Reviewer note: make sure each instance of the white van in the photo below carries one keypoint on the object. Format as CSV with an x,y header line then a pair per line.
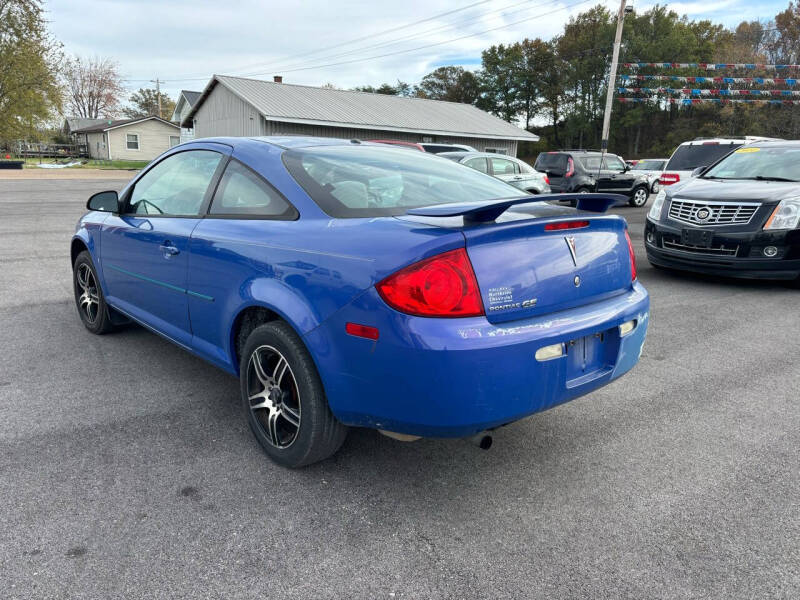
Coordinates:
x,y
701,152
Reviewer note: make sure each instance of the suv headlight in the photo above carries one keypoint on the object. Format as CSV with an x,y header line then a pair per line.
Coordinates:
x,y
785,216
658,204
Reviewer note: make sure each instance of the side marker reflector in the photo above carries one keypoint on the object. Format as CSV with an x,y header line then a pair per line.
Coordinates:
x,y
363,331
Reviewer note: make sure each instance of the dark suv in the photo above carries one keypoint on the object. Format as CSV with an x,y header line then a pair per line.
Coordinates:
x,y
740,217
580,171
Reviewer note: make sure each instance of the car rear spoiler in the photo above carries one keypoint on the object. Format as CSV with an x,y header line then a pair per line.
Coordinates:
x,y
488,210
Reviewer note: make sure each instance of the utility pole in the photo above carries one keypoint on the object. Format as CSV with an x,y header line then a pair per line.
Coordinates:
x,y
158,83
612,77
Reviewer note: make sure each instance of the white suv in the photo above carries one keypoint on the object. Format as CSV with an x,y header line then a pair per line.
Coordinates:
x,y
701,152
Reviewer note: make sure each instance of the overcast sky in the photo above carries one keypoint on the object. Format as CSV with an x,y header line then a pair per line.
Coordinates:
x,y
186,41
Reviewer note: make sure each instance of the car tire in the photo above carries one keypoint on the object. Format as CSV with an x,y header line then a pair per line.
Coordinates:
x,y
639,196
283,398
655,187
89,299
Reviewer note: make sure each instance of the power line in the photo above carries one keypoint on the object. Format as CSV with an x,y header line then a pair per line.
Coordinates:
x,y
495,13
378,34
463,37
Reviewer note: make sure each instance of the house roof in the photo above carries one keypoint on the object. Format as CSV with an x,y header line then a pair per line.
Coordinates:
x,y
75,123
105,125
186,97
191,97
291,103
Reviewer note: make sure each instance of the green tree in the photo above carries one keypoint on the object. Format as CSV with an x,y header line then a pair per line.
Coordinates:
x,y
145,103
401,88
29,63
451,83
787,24
499,81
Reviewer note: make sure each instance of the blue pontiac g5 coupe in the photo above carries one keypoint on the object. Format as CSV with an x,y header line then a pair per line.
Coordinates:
x,y
355,284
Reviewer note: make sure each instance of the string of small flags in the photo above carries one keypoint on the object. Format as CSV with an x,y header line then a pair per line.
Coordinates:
x,y
747,80
691,101
708,66
701,92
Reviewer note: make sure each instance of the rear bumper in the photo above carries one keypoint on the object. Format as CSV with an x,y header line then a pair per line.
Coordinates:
x,y
456,377
749,261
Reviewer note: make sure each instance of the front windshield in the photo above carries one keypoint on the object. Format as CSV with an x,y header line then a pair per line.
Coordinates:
x,y
752,162
368,181
649,165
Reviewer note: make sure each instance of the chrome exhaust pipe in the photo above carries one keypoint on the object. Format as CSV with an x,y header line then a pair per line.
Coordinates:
x,y
482,440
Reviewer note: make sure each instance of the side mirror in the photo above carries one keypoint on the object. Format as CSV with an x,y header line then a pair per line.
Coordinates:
x,y
104,201
626,168
699,171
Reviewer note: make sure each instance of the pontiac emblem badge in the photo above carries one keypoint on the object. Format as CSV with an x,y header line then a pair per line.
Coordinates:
x,y
571,244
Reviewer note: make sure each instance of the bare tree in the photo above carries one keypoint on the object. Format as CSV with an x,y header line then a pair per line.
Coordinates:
x,y
93,87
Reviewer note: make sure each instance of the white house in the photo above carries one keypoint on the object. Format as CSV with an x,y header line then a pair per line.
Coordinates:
x,y
130,139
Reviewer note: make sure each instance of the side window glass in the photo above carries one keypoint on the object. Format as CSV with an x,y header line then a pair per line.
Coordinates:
x,y
612,163
176,186
242,192
501,166
479,164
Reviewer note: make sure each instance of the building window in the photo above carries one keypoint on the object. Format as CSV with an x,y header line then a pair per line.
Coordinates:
x,y
174,140
497,150
132,141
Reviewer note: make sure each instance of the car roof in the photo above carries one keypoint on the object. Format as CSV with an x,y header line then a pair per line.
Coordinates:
x,y
470,153
748,139
583,152
778,143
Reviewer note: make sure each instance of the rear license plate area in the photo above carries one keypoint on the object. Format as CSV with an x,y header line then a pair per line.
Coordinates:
x,y
700,238
590,357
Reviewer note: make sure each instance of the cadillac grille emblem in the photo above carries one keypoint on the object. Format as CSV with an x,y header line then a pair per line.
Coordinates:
x,y
702,214
571,244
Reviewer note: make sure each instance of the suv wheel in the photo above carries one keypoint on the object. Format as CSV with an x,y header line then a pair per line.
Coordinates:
x,y
639,196
283,398
655,187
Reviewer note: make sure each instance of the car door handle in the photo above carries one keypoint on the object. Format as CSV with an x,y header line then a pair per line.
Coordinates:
x,y
167,249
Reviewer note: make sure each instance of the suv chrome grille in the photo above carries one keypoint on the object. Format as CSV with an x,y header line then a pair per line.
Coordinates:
x,y
698,212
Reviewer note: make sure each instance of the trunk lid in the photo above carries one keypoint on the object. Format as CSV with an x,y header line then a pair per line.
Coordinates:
x,y
525,270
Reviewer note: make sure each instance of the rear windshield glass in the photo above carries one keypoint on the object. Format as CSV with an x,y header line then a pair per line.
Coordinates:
x,y
367,181
435,149
649,165
549,160
756,163
691,156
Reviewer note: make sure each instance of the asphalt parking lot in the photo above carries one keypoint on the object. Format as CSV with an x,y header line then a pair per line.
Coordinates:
x,y
127,468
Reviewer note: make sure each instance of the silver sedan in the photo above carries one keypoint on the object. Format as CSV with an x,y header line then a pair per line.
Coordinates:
x,y
511,170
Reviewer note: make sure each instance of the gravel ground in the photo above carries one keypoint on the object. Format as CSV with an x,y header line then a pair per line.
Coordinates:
x,y
127,469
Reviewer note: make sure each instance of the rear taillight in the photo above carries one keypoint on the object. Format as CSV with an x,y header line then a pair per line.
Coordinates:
x,y
440,286
570,168
632,255
669,178
566,225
